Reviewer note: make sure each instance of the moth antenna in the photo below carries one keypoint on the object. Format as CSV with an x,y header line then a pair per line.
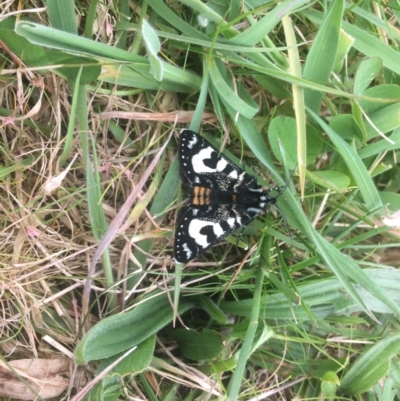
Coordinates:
x,y
289,233
282,189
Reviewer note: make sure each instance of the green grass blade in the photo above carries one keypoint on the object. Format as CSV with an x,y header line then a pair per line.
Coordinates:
x,y
358,170
321,58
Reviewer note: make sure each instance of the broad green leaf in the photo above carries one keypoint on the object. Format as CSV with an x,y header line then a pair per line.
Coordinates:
x,y
323,369
198,346
282,132
346,126
334,180
371,366
137,361
30,54
391,199
118,333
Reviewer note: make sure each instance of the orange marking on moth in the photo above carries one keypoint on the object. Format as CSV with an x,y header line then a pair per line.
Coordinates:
x,y
201,196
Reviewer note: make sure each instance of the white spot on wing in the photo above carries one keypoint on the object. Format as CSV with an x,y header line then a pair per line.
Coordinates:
x,y
221,165
240,179
259,189
204,154
254,210
194,231
187,250
234,174
231,222
192,142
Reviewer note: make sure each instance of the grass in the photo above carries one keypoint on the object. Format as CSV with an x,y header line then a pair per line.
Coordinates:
x,y
92,100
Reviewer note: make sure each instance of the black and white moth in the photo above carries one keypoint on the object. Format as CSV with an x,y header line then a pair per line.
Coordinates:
x,y
223,197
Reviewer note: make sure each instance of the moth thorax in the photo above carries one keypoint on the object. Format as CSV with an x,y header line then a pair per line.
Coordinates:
x,y
253,198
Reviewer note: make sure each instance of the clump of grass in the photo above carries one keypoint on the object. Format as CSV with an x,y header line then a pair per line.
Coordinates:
x,y
91,103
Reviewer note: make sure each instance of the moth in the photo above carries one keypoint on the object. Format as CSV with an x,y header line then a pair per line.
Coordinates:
x,y
223,197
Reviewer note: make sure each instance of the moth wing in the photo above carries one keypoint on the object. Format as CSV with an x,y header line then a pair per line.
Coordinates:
x,y
202,164
199,227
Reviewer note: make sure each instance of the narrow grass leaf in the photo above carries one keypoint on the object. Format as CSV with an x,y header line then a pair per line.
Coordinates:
x,y
358,170
344,46
366,73
139,76
321,57
69,137
211,13
247,345
259,30
120,217
167,13
234,9
298,100
15,166
225,91
371,46
62,15
385,94
364,41
152,189
162,201
343,267
324,297
153,47
385,120
55,39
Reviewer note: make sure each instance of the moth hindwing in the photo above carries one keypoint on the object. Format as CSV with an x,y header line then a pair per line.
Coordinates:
x,y
223,197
